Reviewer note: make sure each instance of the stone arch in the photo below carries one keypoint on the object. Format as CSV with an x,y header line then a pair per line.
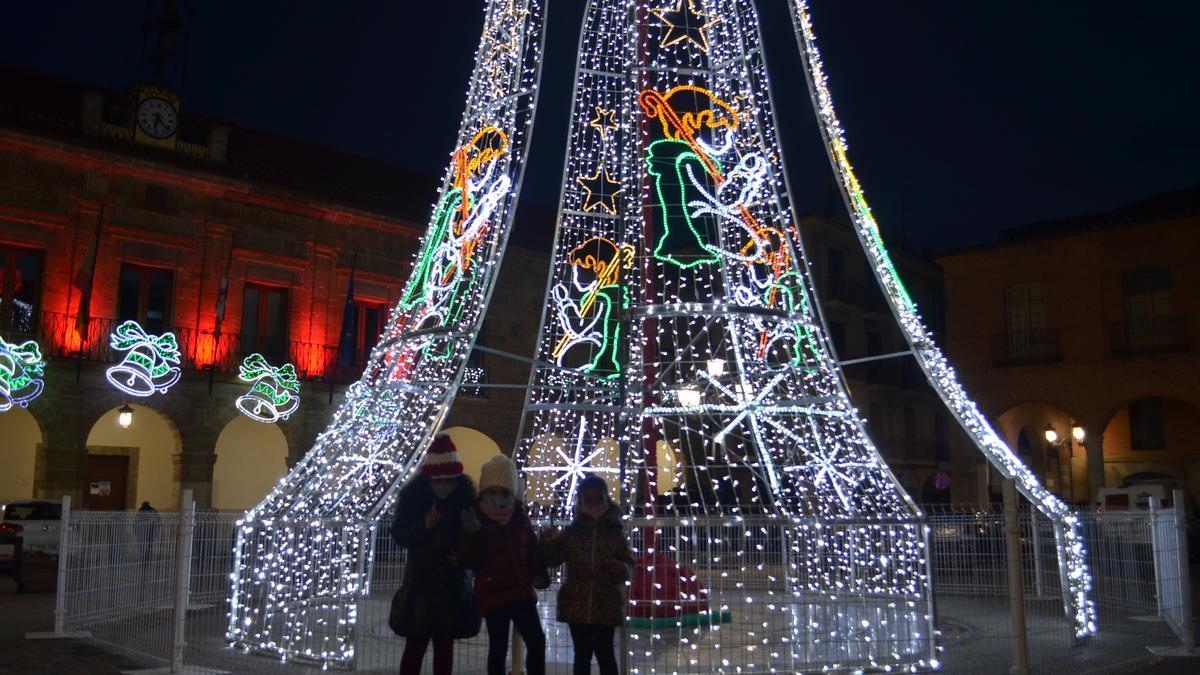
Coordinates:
x,y
1178,420
474,448
251,457
152,443
1061,465
23,438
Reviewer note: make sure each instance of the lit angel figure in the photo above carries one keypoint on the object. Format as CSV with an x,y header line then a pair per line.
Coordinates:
x,y
150,363
446,271
274,392
21,370
695,194
589,310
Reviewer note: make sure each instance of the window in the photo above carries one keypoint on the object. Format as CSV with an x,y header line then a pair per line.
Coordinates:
x,y
1146,425
1025,309
265,321
837,335
364,326
1147,295
20,289
874,348
875,421
1028,339
910,432
144,296
835,266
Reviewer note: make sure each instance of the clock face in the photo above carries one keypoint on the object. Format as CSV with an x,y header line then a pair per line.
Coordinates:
x,y
157,118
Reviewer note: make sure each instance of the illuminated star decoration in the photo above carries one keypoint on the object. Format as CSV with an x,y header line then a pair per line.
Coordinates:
x,y
574,467
685,22
601,191
604,121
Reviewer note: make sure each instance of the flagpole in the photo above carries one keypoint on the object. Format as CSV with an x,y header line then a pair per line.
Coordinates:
x,y
222,301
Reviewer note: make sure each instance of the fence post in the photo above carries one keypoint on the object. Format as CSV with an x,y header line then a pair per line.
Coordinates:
x,y
183,577
1016,584
1037,553
1185,583
60,594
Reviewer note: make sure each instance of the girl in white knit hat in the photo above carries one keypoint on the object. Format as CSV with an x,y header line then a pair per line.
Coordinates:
x,y
508,566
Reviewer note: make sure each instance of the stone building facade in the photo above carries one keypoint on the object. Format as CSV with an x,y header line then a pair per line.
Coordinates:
x,y
923,445
283,222
1087,324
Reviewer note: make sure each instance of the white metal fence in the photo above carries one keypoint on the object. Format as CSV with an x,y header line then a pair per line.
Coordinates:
x,y
120,582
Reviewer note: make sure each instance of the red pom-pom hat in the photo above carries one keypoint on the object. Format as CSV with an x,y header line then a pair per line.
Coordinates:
x,y
441,459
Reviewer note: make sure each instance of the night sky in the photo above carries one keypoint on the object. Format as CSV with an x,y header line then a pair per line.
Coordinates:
x,y
964,117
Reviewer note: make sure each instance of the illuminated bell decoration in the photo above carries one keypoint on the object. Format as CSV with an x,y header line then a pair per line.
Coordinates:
x,y
148,364
21,370
274,392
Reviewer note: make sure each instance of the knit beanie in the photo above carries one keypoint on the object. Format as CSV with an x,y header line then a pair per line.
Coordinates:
x,y
441,459
499,471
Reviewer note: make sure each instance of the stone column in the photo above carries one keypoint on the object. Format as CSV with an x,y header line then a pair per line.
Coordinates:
x,y
1094,443
194,471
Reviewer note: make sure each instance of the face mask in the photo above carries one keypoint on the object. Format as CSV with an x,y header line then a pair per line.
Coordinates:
x,y
442,490
500,501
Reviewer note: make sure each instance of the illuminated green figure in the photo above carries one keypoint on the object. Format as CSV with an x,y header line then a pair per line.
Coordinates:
x,y
446,273
594,321
696,197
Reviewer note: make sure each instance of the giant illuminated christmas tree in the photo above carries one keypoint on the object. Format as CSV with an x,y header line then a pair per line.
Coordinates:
x,y
683,356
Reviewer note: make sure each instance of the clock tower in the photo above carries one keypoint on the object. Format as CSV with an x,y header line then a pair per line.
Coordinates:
x,y
156,117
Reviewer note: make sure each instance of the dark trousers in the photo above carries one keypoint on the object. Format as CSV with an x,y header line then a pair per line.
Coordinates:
x,y
593,640
414,655
524,616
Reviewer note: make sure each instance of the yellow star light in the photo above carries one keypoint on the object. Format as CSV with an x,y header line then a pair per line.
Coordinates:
x,y
601,191
604,121
685,22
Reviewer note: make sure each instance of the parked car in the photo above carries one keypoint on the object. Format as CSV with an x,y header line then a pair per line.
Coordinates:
x,y
36,522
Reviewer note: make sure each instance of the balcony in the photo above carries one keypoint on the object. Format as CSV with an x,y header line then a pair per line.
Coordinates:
x,y
1024,348
1149,336
60,336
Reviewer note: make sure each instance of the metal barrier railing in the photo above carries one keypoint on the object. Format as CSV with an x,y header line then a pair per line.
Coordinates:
x,y
120,582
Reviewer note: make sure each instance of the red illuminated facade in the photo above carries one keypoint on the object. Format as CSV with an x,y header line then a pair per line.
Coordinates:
x,y
99,225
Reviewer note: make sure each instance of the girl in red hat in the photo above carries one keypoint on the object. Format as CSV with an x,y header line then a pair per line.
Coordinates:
x,y
435,602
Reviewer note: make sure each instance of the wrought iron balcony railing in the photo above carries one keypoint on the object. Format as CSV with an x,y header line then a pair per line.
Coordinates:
x,y
1023,348
1149,336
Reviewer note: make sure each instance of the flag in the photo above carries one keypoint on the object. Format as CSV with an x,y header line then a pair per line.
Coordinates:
x,y
223,289
86,278
348,338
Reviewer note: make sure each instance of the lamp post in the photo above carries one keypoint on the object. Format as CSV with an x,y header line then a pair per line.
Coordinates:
x,y
1057,442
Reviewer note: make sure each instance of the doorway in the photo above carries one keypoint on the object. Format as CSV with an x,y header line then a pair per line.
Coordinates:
x,y
107,482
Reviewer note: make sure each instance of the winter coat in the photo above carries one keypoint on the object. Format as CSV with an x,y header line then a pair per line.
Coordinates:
x,y
591,592
435,598
505,559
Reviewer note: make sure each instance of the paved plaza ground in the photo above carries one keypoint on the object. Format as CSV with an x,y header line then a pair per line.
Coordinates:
x,y
965,625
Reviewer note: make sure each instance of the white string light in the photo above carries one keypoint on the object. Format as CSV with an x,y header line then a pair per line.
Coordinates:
x,y
302,558
1080,609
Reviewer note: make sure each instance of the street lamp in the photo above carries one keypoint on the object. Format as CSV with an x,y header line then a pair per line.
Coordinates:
x,y
1057,442
1051,435
125,416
